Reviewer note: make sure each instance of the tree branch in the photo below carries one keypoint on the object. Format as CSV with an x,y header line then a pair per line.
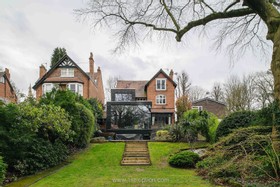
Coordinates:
x,y
231,5
170,15
212,17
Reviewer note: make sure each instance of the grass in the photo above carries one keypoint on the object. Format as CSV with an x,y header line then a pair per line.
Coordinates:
x,y
99,165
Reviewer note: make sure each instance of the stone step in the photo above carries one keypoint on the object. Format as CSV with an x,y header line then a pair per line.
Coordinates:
x,y
135,161
136,142
135,154
135,164
136,158
136,149
135,145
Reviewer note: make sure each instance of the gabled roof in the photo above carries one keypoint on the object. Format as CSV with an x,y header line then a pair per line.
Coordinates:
x,y
208,99
139,86
160,71
64,61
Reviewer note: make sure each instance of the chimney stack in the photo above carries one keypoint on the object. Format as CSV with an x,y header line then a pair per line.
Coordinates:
x,y
171,74
43,71
7,72
91,65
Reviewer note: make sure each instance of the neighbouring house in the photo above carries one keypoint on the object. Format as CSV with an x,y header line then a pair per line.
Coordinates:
x,y
7,92
210,105
142,105
66,74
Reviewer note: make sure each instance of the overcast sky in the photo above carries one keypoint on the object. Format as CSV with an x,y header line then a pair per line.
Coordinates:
x,y
30,30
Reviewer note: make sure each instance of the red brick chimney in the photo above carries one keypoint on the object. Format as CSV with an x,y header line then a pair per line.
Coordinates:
x,y
91,65
171,74
7,72
43,71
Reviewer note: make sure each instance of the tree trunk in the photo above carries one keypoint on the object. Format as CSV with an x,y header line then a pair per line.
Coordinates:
x,y
271,16
275,68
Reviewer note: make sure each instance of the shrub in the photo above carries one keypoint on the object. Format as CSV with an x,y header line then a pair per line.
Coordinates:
x,y
234,121
244,157
194,122
184,159
40,154
96,107
265,115
31,137
3,167
81,113
163,135
176,132
48,121
82,125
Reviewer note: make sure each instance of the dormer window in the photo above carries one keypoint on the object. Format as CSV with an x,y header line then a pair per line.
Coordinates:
x,y
161,84
67,72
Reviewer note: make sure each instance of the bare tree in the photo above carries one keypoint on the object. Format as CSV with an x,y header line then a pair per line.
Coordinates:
x,y
111,83
263,82
242,20
183,84
217,92
196,93
239,94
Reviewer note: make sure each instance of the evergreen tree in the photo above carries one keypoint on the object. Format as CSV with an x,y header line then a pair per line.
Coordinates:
x,y
58,53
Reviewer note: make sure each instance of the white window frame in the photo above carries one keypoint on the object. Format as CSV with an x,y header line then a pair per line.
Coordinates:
x,y
2,80
47,87
79,88
67,72
160,99
199,108
162,86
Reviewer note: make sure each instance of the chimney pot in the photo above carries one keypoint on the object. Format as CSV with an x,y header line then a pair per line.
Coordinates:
x,y
43,71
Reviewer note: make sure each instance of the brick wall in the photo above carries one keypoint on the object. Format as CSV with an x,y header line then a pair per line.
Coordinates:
x,y
2,90
7,93
169,94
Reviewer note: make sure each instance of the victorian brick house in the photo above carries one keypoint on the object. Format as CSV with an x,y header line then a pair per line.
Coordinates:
x,y
152,100
210,105
66,74
7,93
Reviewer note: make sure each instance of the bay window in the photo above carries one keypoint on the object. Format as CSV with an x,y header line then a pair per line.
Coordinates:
x,y
76,88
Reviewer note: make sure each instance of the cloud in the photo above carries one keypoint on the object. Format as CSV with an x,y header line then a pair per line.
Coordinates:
x,y
30,30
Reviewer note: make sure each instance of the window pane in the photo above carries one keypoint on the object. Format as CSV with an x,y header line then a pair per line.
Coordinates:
x,y
80,89
63,72
163,84
72,87
158,84
70,72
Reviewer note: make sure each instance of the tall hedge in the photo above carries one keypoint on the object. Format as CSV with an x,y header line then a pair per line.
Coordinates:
x,y
82,125
31,137
80,111
234,121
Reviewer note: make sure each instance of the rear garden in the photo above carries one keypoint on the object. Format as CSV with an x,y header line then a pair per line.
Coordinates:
x,y
99,165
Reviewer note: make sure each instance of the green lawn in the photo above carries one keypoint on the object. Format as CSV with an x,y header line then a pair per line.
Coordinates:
x,y
100,166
